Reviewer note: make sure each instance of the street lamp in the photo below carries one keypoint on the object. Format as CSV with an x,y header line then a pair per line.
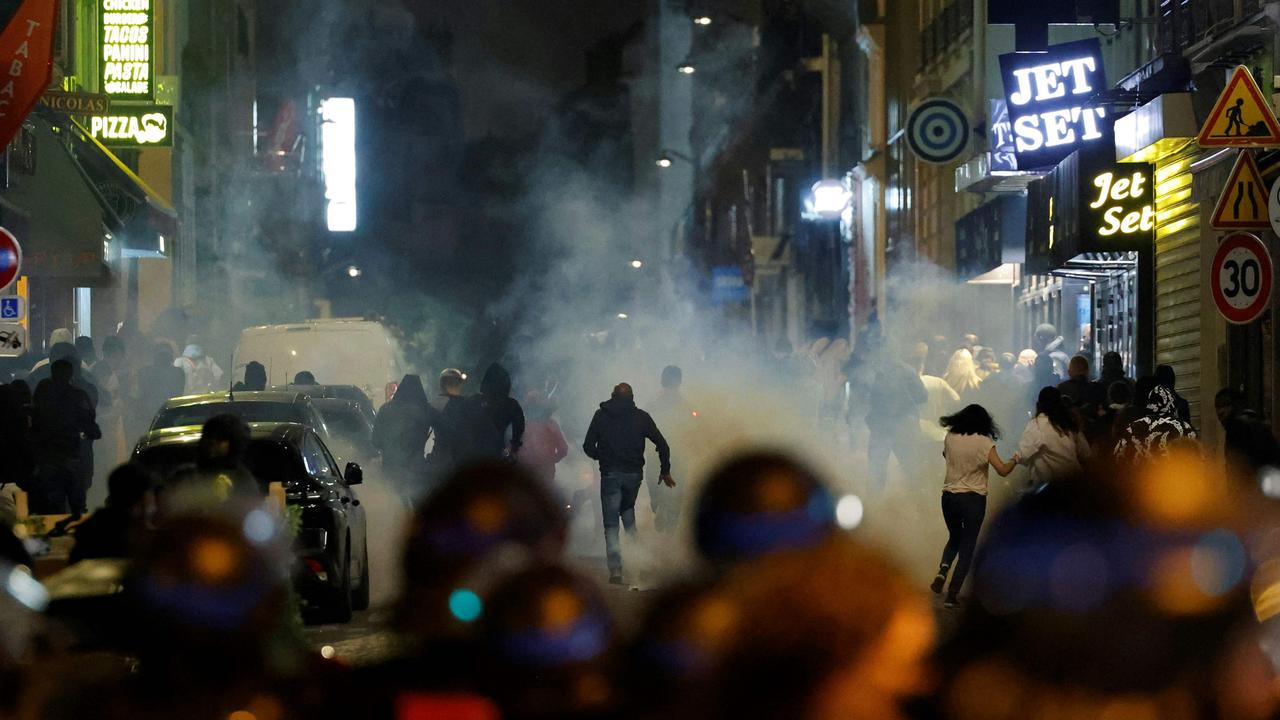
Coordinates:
x,y
665,159
686,68
828,199
637,264
703,20
354,272
622,316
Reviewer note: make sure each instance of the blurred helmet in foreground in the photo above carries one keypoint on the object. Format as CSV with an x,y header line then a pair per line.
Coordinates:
x,y
477,511
672,660
833,631
1126,594
548,638
760,503
210,593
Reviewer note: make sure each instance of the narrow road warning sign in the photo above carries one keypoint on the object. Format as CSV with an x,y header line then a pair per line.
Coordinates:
x,y
1243,202
1242,116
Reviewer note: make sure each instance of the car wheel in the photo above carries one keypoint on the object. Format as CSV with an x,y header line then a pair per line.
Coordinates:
x,y
340,610
360,597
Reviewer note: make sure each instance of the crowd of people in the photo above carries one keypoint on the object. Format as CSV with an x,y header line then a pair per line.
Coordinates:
x,y
70,417
1094,597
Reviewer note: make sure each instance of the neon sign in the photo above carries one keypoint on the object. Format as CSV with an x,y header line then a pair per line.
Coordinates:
x,y
136,126
128,61
1121,206
1048,95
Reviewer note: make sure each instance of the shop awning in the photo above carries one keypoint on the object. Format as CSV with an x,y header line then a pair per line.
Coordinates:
x,y
64,219
140,219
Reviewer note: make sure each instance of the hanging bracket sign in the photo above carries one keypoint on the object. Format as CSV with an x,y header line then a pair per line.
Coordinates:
x,y
1242,278
1242,204
1242,116
938,131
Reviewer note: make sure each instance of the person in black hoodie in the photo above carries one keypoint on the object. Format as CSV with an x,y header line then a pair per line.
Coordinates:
x,y
64,418
1250,444
483,420
615,439
401,432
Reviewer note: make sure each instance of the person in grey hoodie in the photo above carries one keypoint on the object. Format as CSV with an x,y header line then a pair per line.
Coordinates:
x,y
616,440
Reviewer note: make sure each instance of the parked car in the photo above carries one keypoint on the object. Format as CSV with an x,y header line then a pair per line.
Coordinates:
x,y
252,407
350,429
332,570
335,392
339,351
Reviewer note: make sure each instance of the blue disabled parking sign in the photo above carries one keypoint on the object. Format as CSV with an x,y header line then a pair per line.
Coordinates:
x,y
11,308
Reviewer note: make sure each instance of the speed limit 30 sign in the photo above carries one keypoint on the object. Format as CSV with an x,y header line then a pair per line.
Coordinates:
x,y
1242,275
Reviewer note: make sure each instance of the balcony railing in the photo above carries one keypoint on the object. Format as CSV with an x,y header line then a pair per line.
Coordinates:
x,y
947,28
1183,23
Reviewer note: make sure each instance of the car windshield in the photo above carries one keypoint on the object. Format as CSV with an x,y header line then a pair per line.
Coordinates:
x,y
345,421
248,411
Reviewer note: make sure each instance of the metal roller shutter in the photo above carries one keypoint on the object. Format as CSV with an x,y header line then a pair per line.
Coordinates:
x,y
1177,286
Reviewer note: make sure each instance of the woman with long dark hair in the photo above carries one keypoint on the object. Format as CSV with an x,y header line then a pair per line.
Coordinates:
x,y
970,450
1052,444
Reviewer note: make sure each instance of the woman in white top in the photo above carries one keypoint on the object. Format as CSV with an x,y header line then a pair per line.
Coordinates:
x,y
970,449
1052,444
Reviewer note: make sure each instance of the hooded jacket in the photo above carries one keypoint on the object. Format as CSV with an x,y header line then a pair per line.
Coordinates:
x,y
404,424
1151,435
483,419
617,434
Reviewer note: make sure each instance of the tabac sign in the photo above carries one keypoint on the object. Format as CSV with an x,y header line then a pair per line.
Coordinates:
x,y
135,126
128,64
1048,95
1117,209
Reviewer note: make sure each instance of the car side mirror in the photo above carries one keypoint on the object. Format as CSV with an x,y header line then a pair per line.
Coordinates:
x,y
353,474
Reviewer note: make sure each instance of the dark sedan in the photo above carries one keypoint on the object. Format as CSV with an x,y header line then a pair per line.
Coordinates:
x,y
332,572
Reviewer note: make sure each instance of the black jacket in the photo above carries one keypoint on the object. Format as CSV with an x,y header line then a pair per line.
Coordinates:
x,y
64,415
616,438
482,420
1249,440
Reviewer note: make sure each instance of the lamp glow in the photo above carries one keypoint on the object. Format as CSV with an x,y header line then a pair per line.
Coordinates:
x,y
827,200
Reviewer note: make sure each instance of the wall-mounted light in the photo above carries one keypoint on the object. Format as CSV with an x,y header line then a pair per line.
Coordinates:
x,y
686,68
703,20
827,200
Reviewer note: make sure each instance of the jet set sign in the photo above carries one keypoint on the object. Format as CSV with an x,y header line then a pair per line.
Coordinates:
x,y
128,62
1118,210
1048,95
141,126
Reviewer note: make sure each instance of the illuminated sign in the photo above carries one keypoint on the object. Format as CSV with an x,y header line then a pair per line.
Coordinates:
x,y
338,160
1047,95
127,54
140,126
1118,207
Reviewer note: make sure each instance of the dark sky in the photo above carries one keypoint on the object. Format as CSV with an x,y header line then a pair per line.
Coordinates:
x,y
514,59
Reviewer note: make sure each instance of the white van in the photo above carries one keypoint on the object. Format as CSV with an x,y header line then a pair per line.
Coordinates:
x,y
338,352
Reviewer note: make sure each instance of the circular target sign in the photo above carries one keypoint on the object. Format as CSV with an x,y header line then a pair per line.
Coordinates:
x,y
938,131
1241,275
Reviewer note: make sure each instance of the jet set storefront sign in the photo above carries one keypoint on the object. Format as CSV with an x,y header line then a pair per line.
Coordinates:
x,y
1048,94
1118,207
141,126
128,47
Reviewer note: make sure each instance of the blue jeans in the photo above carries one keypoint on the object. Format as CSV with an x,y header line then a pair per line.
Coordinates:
x,y
618,502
